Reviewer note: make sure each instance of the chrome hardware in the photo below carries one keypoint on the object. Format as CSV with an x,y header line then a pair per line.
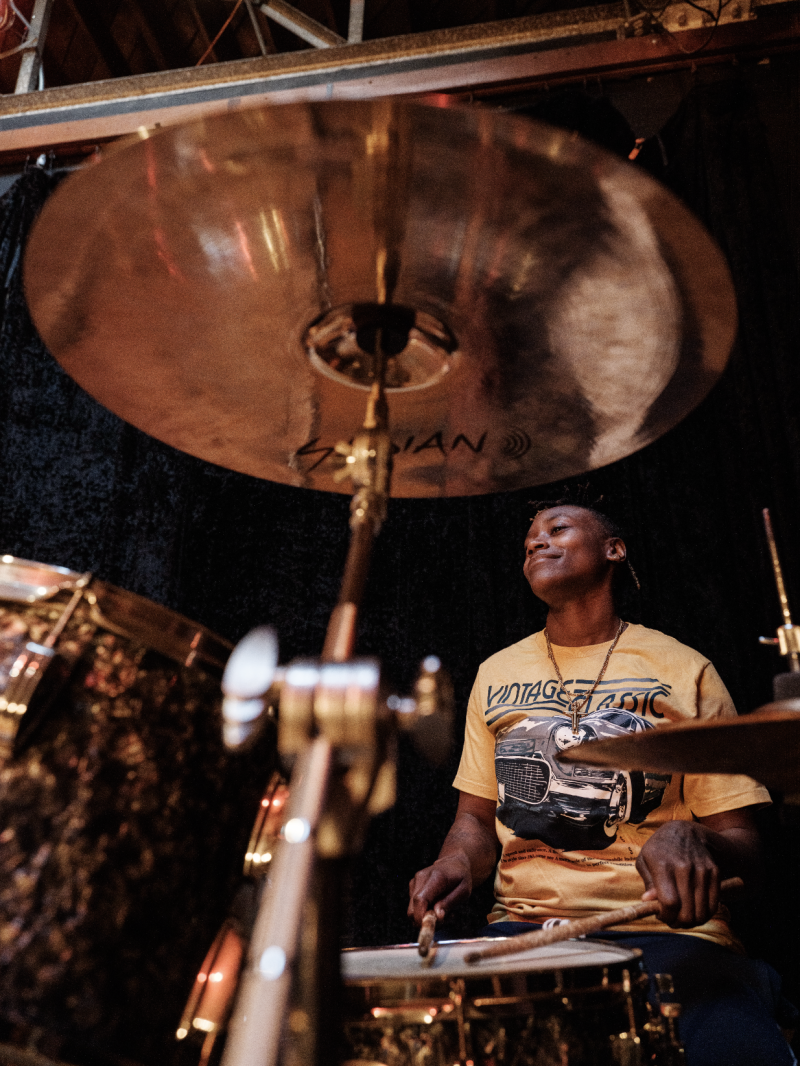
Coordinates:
x,y
24,581
788,639
32,662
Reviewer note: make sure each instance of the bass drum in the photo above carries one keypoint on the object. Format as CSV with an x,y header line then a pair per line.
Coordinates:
x,y
122,818
576,1003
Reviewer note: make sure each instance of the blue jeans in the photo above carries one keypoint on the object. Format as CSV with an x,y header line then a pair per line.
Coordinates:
x,y
731,1006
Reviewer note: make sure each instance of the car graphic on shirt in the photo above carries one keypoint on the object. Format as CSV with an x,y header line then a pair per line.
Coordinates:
x,y
571,808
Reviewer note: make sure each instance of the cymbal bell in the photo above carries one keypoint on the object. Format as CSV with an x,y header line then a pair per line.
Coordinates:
x,y
764,745
547,308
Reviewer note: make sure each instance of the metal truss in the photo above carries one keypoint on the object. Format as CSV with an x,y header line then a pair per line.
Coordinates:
x,y
600,41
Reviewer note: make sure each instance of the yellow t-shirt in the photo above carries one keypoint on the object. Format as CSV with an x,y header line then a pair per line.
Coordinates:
x,y
571,834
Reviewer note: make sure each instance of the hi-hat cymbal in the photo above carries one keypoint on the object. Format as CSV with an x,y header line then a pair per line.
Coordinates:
x,y
214,284
765,745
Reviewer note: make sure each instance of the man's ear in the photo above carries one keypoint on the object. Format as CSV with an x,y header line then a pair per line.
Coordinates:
x,y
616,550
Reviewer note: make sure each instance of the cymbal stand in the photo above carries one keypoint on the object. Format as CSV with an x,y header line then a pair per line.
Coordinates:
x,y
368,463
333,718
334,722
787,685
368,458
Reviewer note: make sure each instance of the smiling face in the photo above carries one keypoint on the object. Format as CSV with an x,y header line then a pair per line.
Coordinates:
x,y
569,553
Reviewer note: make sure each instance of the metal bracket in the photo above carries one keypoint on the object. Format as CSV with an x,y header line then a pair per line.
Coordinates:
x,y
682,16
27,672
640,25
788,640
302,25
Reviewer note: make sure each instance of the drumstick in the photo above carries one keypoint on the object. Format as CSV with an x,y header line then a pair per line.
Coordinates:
x,y
426,933
580,927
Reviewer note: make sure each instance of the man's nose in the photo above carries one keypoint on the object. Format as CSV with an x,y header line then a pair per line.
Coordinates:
x,y
534,543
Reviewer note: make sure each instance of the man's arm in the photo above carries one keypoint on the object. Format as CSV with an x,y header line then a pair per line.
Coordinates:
x,y
683,863
467,857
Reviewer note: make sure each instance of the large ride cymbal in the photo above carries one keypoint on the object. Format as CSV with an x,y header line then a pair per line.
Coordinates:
x,y
214,284
765,745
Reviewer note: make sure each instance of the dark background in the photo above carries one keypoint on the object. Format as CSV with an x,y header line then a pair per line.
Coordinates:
x,y
79,488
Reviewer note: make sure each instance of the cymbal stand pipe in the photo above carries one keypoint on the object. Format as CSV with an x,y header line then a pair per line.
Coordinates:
x,y
368,462
368,459
257,1025
331,714
788,638
334,784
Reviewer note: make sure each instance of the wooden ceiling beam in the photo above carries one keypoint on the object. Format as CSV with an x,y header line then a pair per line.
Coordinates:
x,y
104,41
152,39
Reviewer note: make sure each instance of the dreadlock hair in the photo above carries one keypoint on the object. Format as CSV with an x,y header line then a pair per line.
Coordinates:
x,y
610,527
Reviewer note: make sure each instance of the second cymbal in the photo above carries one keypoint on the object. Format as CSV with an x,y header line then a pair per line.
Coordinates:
x,y
764,745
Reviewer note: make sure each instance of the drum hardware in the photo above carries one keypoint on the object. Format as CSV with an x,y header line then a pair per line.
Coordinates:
x,y
343,776
579,927
457,991
212,996
25,581
368,465
335,725
582,1002
28,670
267,827
626,1045
427,716
662,1026
787,685
247,685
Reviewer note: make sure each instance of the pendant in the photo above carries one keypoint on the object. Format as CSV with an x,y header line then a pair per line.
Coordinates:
x,y
574,711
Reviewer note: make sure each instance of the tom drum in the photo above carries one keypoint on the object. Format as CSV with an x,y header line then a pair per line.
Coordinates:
x,y
122,819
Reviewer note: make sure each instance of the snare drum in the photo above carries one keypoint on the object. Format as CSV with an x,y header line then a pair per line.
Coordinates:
x,y
576,1003
122,819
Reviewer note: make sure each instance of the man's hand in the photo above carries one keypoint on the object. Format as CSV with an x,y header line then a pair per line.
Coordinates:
x,y
438,887
679,871
683,862
467,857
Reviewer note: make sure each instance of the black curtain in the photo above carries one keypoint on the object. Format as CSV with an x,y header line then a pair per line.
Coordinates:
x,y
82,489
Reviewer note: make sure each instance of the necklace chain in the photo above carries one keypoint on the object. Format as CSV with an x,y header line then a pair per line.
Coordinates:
x,y
577,702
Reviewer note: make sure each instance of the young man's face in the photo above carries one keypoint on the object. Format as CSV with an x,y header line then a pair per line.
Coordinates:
x,y
568,551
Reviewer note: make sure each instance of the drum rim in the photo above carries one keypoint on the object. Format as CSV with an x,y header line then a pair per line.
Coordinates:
x,y
579,961
481,940
138,618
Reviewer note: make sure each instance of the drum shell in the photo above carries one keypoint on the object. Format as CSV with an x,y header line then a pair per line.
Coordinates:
x,y
565,1012
122,825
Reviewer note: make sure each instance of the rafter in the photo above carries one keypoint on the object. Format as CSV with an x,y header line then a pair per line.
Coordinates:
x,y
99,31
302,25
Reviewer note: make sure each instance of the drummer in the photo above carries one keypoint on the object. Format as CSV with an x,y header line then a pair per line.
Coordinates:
x,y
578,841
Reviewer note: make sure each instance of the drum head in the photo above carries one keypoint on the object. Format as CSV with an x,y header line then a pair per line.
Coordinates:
x,y
402,962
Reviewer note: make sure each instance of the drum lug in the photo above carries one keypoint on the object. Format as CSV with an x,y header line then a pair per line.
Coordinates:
x,y
627,1050
662,1027
457,992
27,672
